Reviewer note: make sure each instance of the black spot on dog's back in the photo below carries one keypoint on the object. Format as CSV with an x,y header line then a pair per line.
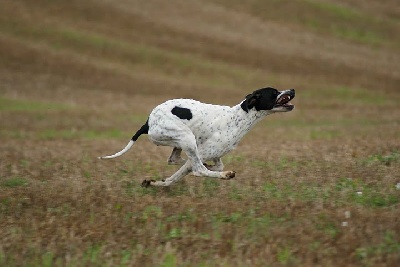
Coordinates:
x,y
182,113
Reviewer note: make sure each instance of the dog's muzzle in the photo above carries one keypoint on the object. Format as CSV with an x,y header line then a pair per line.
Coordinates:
x,y
284,99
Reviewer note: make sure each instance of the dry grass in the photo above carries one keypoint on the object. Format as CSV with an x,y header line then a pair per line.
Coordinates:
x,y
77,79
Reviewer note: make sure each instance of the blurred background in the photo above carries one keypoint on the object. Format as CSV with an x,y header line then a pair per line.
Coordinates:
x,y
78,78
84,52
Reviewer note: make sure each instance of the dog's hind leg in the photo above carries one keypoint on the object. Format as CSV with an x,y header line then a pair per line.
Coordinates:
x,y
182,172
175,158
218,165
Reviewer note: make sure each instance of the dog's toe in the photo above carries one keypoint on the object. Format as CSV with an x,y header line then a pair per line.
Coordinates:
x,y
147,183
229,175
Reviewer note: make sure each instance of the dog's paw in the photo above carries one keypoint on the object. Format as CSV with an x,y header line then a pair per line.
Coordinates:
x,y
229,175
147,183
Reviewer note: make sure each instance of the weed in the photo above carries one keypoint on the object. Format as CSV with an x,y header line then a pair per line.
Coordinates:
x,y
174,233
169,260
331,230
345,184
87,174
389,246
386,160
125,257
47,259
91,255
285,256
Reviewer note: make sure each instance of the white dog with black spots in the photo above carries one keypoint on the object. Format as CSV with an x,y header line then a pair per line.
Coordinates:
x,y
206,132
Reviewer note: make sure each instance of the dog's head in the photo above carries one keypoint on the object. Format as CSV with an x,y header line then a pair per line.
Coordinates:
x,y
269,99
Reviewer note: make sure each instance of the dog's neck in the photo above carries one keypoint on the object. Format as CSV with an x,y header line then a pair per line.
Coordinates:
x,y
245,121
252,114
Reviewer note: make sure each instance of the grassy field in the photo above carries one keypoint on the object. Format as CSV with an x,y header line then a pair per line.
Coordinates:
x,y
318,186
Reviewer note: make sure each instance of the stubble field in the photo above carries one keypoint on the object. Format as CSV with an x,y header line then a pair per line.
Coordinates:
x,y
318,186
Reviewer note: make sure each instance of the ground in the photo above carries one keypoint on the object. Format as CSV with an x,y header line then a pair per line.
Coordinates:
x,y
318,186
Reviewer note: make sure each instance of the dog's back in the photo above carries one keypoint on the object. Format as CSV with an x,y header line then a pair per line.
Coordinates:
x,y
194,114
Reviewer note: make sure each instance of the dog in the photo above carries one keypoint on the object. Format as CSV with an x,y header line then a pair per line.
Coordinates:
x,y
206,132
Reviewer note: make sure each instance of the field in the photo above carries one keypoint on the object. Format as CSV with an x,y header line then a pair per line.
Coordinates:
x,y
318,186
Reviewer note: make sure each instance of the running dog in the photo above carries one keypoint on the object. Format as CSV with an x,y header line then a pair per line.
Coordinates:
x,y
206,132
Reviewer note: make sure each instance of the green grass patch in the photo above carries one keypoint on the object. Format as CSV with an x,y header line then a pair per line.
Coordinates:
x,y
278,165
389,245
359,192
7,104
325,134
303,191
71,134
347,23
340,12
91,256
169,260
372,198
210,187
285,256
14,182
340,95
54,134
387,160
326,225
360,35
324,17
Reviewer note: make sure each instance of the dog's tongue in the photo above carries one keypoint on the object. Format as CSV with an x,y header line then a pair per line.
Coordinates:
x,y
283,99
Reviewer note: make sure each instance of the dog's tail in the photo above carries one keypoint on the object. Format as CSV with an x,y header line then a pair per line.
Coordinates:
x,y
143,130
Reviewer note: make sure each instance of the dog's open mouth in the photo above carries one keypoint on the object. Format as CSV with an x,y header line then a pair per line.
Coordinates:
x,y
284,101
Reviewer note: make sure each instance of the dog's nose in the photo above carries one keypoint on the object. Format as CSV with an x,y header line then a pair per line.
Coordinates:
x,y
292,92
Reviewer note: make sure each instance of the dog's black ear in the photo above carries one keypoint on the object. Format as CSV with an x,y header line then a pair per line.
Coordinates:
x,y
250,101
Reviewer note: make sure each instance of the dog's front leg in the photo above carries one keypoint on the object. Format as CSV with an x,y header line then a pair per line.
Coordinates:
x,y
198,168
